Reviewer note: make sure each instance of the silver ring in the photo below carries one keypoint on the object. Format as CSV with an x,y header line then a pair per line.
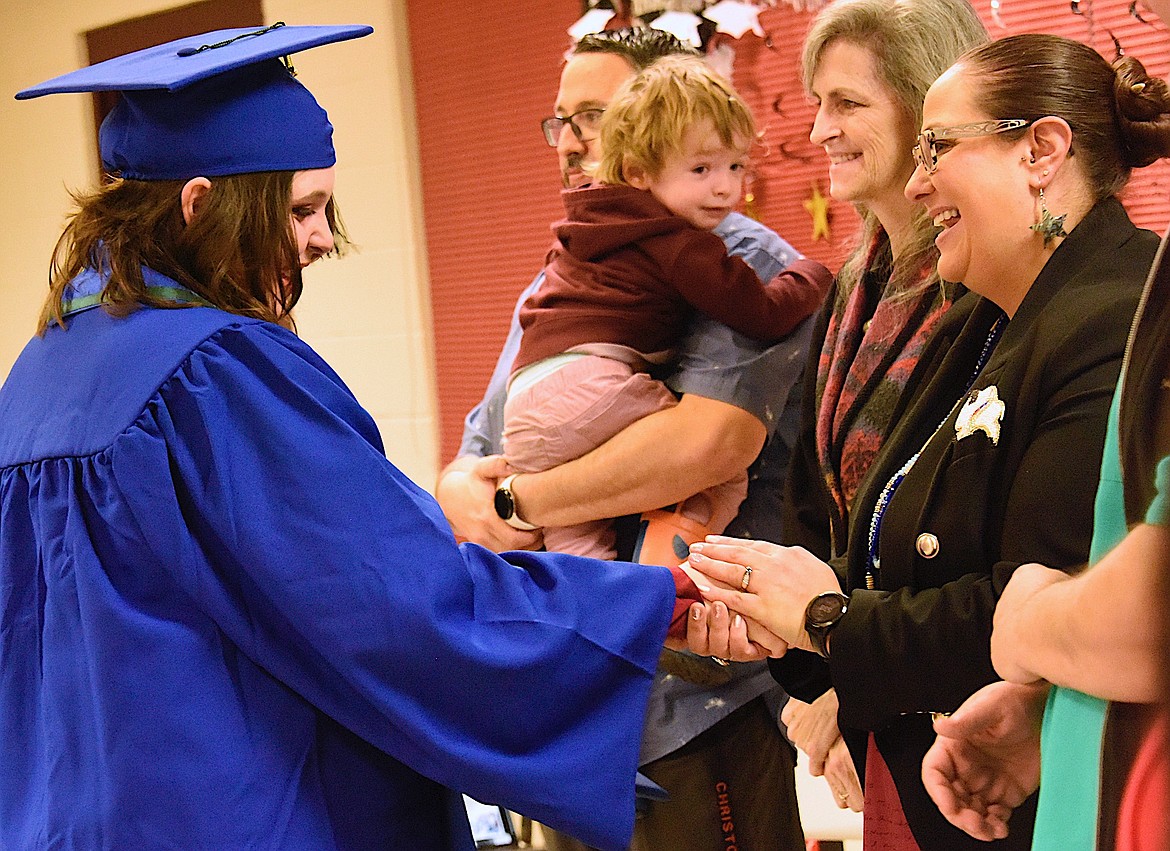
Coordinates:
x,y
747,577
721,662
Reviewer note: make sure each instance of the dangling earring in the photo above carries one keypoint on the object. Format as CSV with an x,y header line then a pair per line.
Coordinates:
x,y
1050,227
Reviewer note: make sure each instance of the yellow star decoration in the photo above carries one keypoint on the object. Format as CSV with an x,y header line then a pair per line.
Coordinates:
x,y
818,207
749,205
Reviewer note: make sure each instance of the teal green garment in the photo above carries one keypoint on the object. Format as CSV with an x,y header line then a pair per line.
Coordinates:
x,y
1074,723
1159,512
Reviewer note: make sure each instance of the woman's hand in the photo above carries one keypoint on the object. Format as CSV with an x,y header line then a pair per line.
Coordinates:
x,y
841,775
986,759
813,728
1009,644
713,631
781,583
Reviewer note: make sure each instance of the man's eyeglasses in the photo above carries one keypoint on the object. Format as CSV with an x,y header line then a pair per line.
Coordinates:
x,y
585,125
926,151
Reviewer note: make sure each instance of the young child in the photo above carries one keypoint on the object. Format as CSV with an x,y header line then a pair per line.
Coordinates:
x,y
633,259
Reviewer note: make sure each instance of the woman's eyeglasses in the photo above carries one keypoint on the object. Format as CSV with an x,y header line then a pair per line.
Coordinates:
x,y
926,150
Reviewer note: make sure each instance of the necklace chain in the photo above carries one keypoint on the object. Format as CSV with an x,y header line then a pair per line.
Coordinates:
x,y
873,562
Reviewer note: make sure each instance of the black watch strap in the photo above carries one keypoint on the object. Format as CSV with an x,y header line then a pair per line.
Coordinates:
x,y
823,613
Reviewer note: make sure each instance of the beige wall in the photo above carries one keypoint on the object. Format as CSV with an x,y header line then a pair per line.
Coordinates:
x,y
368,315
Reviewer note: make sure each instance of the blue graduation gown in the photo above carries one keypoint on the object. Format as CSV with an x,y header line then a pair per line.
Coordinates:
x,y
227,621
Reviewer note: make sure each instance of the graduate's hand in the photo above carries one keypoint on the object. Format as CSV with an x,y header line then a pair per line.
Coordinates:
x,y
782,583
466,492
986,759
713,631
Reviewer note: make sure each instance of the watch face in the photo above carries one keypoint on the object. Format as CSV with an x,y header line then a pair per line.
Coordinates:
x,y
825,609
505,506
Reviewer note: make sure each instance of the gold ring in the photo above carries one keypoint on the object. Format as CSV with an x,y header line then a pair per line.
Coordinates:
x,y
747,577
843,797
723,663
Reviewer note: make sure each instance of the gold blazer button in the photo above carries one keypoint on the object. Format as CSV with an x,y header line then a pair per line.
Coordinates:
x,y
927,545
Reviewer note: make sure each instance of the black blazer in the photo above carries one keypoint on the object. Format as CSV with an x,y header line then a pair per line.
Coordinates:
x,y
920,642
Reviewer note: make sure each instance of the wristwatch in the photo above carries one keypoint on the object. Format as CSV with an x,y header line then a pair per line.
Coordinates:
x,y
506,506
823,613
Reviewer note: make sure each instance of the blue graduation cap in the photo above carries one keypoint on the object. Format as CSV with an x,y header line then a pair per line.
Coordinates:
x,y
210,105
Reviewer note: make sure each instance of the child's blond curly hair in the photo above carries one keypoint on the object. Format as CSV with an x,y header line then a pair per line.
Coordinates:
x,y
650,115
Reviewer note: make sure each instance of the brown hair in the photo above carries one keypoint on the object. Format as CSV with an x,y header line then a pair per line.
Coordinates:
x,y
640,46
912,42
1119,115
233,254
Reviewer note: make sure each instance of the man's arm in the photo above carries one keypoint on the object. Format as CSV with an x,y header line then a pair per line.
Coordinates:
x,y
658,460
466,492
733,394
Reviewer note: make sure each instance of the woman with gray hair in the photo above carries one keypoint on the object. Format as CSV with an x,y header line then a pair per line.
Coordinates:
x,y
868,65
1025,144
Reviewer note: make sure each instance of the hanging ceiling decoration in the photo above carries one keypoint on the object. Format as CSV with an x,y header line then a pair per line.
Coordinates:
x,y
692,21
734,18
682,25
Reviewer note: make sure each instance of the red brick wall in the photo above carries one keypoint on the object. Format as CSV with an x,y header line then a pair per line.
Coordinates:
x,y
484,77
769,76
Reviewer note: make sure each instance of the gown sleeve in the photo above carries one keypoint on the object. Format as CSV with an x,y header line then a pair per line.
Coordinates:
x,y
519,679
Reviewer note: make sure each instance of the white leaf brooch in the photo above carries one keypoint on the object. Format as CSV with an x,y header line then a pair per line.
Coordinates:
x,y
981,412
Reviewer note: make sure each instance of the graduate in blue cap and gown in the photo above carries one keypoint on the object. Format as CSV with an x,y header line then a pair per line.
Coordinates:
x,y
227,620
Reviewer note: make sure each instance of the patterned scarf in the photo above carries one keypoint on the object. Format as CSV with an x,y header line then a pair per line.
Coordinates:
x,y
864,367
